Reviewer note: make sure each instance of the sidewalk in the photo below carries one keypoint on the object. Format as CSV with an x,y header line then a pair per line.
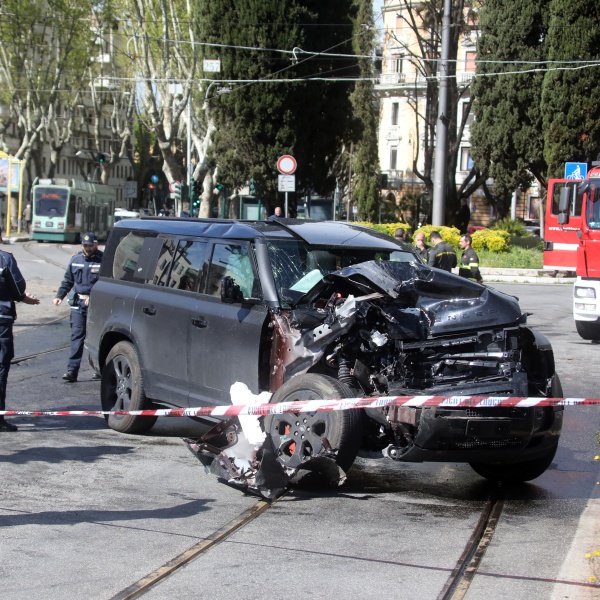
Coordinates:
x,y
536,276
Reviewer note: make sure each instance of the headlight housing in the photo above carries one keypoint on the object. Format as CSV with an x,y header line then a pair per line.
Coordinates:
x,y
584,292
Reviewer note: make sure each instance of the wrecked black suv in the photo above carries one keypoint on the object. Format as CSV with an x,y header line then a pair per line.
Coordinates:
x,y
187,311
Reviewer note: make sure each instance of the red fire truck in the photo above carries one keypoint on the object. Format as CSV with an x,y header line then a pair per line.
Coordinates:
x,y
572,243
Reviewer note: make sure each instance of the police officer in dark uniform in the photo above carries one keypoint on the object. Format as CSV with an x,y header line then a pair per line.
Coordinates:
x,y
12,289
80,276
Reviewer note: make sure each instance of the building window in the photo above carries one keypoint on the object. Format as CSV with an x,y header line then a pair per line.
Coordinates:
x,y
396,63
395,112
393,158
470,62
466,162
533,207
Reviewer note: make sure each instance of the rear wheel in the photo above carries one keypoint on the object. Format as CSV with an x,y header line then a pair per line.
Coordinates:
x,y
589,330
122,389
299,437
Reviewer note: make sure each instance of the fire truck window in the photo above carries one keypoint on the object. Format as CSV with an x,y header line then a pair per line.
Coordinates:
x,y
593,208
576,200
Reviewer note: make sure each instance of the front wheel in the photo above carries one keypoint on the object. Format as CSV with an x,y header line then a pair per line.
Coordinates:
x,y
122,389
299,437
516,472
589,330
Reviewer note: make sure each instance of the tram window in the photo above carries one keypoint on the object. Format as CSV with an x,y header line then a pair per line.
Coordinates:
x,y
50,202
71,212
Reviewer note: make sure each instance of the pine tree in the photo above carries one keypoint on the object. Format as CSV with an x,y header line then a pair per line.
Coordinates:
x,y
506,136
366,163
258,122
570,106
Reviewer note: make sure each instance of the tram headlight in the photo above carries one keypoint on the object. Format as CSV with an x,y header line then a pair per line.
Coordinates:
x,y
61,225
584,292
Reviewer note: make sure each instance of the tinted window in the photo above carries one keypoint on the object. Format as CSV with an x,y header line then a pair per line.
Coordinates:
x,y
127,255
188,265
163,263
234,261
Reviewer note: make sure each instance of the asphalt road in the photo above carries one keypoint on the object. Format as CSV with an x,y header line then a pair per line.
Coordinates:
x,y
85,512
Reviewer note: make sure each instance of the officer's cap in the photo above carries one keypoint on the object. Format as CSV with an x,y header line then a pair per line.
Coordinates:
x,y
88,238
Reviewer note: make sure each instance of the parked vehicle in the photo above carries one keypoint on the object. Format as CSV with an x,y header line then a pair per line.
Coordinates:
x,y
186,308
123,213
63,209
578,221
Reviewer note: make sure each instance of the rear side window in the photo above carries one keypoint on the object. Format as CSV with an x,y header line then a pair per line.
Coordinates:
x,y
127,255
188,265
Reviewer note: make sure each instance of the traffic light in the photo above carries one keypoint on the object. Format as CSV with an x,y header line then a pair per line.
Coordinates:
x,y
101,157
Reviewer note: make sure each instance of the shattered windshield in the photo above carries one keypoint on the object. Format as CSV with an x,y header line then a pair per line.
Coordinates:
x,y
298,267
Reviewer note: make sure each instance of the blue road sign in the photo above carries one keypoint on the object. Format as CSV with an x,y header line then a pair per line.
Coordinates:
x,y
154,179
575,170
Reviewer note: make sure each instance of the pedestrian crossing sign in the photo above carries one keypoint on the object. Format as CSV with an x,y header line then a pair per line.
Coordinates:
x,y
575,170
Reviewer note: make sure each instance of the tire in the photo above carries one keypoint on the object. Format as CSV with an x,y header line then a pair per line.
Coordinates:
x,y
589,330
298,437
516,472
122,388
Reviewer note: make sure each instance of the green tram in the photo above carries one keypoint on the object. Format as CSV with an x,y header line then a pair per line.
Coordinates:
x,y
63,209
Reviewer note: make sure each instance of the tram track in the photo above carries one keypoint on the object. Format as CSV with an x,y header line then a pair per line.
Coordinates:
x,y
146,583
27,246
468,563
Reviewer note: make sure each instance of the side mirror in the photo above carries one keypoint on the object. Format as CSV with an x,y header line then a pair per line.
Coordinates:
x,y
564,204
230,291
563,218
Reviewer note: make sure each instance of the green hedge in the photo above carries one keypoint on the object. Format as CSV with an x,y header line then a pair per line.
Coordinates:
x,y
494,240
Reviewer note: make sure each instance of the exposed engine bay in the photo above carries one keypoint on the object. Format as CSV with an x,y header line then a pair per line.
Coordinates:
x,y
385,328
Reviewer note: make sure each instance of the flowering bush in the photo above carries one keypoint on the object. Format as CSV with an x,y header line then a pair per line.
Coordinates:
x,y
494,240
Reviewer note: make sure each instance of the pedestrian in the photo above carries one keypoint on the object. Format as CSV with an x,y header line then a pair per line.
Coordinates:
x,y
421,247
463,216
469,261
12,289
81,275
276,214
442,255
400,234
27,217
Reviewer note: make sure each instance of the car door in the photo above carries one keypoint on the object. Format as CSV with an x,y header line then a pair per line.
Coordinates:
x,y
162,317
225,338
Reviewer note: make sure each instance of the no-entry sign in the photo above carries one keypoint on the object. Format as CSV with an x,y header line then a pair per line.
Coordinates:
x,y
286,164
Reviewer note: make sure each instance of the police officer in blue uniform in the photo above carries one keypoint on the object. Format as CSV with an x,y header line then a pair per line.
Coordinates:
x,y
80,276
12,289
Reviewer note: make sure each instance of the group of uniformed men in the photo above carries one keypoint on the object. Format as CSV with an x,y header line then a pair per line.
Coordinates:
x,y
443,256
81,274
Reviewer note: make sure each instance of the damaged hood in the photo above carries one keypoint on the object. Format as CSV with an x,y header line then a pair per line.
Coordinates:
x,y
452,303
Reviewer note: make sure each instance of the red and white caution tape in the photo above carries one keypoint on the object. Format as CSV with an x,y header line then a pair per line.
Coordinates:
x,y
304,406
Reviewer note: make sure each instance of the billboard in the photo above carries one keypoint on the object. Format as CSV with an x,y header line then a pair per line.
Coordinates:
x,y
15,167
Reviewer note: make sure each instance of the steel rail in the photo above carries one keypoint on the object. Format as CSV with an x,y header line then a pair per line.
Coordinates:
x,y
146,583
466,567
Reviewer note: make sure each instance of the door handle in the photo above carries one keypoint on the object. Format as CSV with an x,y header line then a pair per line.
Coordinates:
x,y
149,310
200,322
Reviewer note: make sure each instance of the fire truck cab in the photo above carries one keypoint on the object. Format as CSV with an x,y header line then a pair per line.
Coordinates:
x,y
572,242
